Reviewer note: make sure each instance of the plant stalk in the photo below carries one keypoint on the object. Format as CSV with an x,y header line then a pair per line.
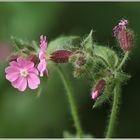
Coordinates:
x,y
72,103
123,60
114,111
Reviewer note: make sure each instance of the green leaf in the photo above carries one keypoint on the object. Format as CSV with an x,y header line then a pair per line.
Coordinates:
x,y
64,43
107,54
98,68
19,45
88,41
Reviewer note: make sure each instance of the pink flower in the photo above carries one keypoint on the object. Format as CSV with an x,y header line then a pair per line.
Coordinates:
x,y
42,66
22,73
98,89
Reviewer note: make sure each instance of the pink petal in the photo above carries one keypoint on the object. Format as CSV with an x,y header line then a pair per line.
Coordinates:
x,y
11,69
35,78
42,67
12,76
42,55
20,83
33,70
14,63
95,95
29,65
33,81
43,43
25,63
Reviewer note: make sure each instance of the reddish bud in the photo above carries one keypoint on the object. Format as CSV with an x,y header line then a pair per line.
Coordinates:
x,y
13,57
33,58
123,36
125,39
98,89
60,56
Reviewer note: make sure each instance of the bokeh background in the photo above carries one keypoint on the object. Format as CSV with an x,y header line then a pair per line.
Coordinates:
x,y
25,115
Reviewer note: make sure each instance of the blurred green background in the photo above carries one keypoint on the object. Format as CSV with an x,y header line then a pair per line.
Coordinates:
x,y
25,115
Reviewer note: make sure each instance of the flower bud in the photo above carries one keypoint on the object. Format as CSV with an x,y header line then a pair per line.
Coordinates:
x,y
126,39
33,58
96,92
60,56
123,36
13,57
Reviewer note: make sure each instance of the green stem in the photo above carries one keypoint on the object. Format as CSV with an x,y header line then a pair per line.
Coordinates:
x,y
113,116
114,111
123,60
71,100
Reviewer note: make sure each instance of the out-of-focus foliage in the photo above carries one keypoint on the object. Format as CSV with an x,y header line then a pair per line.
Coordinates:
x,y
25,115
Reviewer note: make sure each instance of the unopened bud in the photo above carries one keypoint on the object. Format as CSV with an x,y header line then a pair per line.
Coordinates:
x,y
123,36
126,39
96,92
33,58
60,56
13,57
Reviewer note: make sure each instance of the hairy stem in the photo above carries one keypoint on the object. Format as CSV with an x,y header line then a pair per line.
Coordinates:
x,y
114,111
72,103
123,60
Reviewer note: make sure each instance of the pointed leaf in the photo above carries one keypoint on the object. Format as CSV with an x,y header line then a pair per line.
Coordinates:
x,y
64,43
107,54
19,44
88,41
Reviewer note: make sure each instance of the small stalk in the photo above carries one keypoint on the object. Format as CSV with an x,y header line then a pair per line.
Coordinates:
x,y
123,60
72,103
114,111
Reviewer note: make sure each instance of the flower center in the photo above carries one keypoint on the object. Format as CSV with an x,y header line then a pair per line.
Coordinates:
x,y
24,72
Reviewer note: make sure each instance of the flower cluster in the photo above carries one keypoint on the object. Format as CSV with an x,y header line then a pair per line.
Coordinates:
x,y
22,72
91,60
125,39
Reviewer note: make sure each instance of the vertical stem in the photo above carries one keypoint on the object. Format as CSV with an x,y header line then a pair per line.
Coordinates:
x,y
123,60
114,111
72,103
